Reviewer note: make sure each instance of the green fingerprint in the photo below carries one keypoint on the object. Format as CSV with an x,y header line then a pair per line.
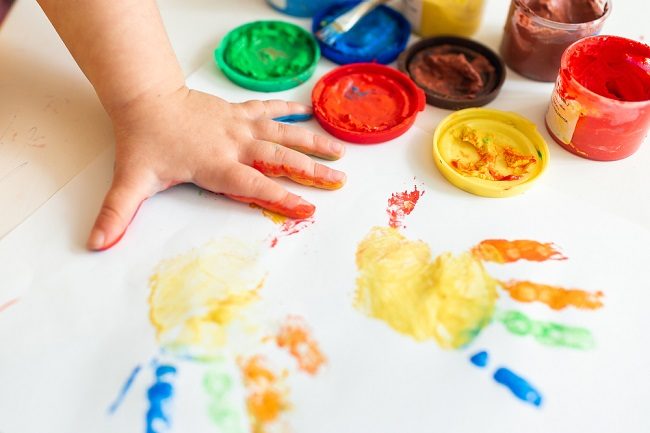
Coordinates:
x,y
548,333
223,412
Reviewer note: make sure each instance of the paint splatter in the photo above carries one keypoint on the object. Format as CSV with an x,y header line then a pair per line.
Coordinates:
x,y
223,410
160,395
7,304
125,389
295,337
196,296
555,297
449,299
291,227
548,333
401,204
267,393
503,251
521,389
480,359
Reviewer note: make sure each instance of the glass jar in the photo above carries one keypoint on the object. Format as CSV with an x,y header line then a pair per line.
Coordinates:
x,y
444,17
532,45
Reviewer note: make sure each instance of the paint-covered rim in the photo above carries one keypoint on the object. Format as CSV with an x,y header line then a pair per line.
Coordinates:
x,y
523,130
523,8
411,92
270,85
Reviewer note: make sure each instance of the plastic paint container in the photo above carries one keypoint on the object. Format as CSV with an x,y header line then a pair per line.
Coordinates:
x,y
454,73
536,33
444,17
379,37
600,108
300,8
268,56
490,153
366,103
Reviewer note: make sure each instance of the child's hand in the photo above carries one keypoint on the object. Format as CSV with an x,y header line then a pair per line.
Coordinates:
x,y
189,136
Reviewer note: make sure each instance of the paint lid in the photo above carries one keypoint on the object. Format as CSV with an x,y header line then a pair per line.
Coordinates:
x,y
268,56
366,103
488,152
380,36
455,73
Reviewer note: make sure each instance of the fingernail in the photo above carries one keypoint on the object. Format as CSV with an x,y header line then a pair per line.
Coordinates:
x,y
337,148
96,240
337,176
303,209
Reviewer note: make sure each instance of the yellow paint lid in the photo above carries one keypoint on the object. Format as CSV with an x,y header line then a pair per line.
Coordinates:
x,y
490,153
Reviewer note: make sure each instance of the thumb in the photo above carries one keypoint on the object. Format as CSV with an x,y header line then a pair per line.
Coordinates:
x,y
118,210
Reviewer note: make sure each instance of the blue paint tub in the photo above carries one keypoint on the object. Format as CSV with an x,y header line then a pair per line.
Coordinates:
x,y
379,37
301,8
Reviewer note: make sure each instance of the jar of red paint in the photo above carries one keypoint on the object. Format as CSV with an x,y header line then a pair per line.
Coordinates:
x,y
600,107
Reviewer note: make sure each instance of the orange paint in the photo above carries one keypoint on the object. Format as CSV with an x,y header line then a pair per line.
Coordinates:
x,y
299,176
557,298
400,205
294,336
503,251
300,211
267,393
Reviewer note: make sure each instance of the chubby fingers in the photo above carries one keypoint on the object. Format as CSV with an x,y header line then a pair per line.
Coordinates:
x,y
245,184
273,108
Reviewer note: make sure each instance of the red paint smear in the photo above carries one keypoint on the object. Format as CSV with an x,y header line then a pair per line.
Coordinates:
x,y
7,304
300,211
402,204
364,103
503,251
291,227
299,176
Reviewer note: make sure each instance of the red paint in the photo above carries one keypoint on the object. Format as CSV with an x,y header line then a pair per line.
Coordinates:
x,y
300,211
119,238
609,77
401,204
299,176
366,102
291,227
7,304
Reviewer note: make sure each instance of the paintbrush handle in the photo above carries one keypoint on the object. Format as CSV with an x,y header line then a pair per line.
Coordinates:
x,y
351,17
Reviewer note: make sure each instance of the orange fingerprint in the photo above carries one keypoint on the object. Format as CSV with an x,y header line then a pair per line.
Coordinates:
x,y
503,251
299,176
555,297
267,393
294,336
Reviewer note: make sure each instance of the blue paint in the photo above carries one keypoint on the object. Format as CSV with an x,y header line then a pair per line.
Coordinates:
x,y
480,359
293,118
300,8
160,395
380,36
125,388
523,390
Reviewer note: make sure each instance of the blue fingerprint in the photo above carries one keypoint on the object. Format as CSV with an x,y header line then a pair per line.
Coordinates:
x,y
293,118
125,388
160,395
523,390
480,359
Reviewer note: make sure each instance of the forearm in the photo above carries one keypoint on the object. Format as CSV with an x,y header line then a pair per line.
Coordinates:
x,y
120,45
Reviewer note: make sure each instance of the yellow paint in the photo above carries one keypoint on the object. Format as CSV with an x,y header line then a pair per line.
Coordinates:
x,y
275,217
447,17
449,299
195,296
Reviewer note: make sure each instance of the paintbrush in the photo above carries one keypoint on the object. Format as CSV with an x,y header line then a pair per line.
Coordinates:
x,y
344,22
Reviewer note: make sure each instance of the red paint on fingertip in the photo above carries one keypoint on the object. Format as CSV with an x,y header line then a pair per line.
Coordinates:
x,y
299,176
300,211
119,238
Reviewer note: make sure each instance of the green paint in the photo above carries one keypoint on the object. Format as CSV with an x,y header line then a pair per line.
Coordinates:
x,y
548,333
268,50
223,412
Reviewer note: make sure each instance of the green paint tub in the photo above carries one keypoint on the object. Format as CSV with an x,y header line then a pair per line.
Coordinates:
x,y
268,56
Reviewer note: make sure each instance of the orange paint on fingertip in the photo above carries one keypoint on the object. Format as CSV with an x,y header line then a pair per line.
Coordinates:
x,y
299,176
295,337
504,251
555,297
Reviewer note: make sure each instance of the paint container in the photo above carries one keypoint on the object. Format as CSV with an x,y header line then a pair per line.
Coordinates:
x,y
366,103
300,8
490,153
268,56
454,73
380,36
537,33
444,17
600,108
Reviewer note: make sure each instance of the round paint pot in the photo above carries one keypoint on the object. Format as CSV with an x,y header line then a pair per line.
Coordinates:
x,y
454,72
490,153
300,8
379,37
366,103
600,107
268,56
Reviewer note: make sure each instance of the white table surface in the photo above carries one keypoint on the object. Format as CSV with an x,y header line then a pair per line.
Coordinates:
x,y
52,126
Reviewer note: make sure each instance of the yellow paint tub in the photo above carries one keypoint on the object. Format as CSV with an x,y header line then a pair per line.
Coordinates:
x,y
444,17
488,152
